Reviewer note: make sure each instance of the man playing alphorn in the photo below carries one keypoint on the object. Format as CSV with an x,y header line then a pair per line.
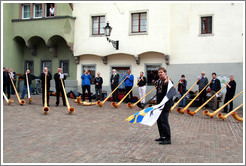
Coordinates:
x,y
58,76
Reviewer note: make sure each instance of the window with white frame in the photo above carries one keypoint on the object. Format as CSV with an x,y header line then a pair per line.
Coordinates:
x,y
206,25
139,22
152,74
38,12
91,69
26,11
98,23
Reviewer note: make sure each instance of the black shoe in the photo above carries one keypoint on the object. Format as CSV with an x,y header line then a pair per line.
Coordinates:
x,y
165,142
160,139
64,105
57,105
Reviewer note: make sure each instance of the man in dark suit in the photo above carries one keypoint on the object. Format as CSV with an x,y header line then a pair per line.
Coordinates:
x,y
215,87
203,81
42,77
114,83
58,76
6,82
230,92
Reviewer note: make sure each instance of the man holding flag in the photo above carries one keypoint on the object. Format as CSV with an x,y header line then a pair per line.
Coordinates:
x,y
159,112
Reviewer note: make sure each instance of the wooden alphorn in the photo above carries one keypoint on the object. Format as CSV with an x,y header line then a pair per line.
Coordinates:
x,y
132,105
188,105
9,101
207,113
45,108
117,105
183,96
28,90
198,109
176,85
99,103
85,103
235,116
221,116
70,109
22,102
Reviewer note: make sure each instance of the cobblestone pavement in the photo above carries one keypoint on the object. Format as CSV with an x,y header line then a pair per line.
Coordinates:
x,y
100,135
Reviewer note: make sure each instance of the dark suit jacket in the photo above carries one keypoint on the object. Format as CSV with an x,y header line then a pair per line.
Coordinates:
x,y
42,78
231,91
58,80
6,78
115,78
216,85
30,78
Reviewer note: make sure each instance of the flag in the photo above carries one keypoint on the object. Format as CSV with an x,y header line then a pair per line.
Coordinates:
x,y
150,115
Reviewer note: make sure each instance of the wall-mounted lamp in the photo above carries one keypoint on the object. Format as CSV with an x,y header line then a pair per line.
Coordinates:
x,y
107,31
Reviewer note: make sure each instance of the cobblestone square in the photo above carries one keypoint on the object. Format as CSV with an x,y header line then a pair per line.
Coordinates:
x,y
100,135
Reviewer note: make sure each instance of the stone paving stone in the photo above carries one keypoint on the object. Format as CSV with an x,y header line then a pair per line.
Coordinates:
x,y
100,135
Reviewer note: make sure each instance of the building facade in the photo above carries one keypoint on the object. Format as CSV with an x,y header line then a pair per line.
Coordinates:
x,y
184,37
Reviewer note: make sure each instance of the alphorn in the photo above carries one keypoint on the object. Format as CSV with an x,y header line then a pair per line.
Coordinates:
x,y
235,116
132,105
183,96
101,103
28,90
221,116
207,113
118,104
85,103
198,109
78,100
46,108
9,101
70,109
22,102
188,105
176,85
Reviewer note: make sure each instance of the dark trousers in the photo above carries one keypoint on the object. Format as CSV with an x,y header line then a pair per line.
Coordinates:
x,y
128,88
88,88
6,86
227,98
203,97
115,94
58,91
163,125
48,95
99,91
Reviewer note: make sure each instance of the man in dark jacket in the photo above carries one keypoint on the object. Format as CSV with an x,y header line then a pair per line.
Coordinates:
x,y
30,78
114,83
98,86
215,87
57,77
203,81
182,90
6,82
42,77
230,92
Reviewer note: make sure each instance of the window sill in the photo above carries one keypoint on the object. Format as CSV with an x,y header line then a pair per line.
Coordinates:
x,y
97,35
205,35
140,33
42,18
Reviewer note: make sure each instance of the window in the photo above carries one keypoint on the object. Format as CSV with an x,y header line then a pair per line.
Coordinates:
x,y
38,10
46,63
139,22
152,74
29,65
64,64
98,23
26,11
91,69
48,6
206,25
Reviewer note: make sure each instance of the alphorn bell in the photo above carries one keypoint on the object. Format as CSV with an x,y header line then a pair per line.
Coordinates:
x,y
22,102
132,105
28,90
183,96
78,100
221,116
198,109
70,109
207,113
46,108
235,116
117,105
188,105
9,101
99,103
